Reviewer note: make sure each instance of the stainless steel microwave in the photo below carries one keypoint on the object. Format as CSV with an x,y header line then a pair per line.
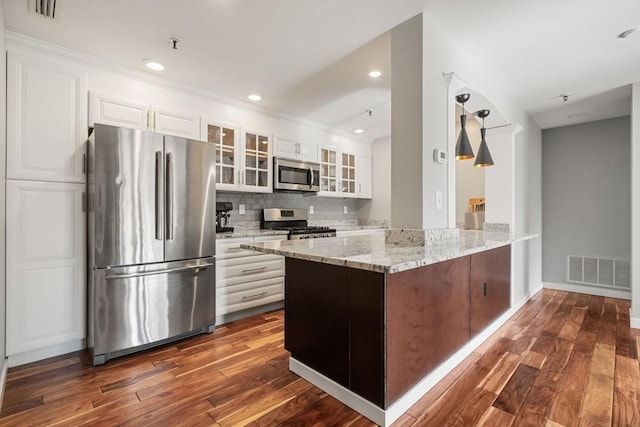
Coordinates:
x,y
295,175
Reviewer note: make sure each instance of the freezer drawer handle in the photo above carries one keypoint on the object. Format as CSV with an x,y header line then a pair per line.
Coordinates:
x,y
254,296
254,270
152,272
158,195
169,196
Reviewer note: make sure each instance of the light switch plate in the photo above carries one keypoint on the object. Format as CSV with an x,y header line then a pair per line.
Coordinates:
x,y
438,199
346,210
310,209
241,209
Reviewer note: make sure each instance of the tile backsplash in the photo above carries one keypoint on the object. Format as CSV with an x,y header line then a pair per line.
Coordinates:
x,y
324,208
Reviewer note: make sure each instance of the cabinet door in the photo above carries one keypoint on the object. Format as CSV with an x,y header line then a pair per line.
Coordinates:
x,y
308,151
490,286
348,174
174,123
328,171
46,279
257,165
363,176
46,120
225,137
287,149
114,111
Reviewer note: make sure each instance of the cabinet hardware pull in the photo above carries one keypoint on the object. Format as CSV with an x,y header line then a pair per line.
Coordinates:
x,y
84,201
484,289
235,249
84,163
148,120
254,296
155,115
253,270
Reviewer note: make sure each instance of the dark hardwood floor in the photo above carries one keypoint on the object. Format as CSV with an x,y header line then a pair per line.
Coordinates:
x,y
564,359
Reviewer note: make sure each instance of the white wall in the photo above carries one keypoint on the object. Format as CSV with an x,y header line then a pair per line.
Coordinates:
x,y
379,207
3,145
407,163
586,206
635,206
499,177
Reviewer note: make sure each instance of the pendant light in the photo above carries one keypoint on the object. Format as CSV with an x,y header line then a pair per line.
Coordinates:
x,y
463,147
484,156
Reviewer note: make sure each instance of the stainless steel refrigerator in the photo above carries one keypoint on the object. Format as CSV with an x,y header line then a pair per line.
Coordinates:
x,y
151,252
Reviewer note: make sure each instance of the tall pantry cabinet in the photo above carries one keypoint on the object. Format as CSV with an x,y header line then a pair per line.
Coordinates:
x,y
46,225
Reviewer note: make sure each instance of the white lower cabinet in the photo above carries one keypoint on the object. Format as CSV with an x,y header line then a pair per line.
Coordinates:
x,y
46,269
246,279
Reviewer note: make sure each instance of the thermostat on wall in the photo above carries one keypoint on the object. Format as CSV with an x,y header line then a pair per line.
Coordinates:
x,y
439,156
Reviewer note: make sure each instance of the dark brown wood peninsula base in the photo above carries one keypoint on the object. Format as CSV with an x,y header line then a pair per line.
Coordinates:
x,y
379,334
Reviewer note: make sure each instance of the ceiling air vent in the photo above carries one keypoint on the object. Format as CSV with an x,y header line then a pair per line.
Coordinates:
x,y
46,8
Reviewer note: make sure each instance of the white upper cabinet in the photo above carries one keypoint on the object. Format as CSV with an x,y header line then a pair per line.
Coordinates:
x,y
243,158
46,119
226,137
128,113
257,165
290,149
363,176
344,172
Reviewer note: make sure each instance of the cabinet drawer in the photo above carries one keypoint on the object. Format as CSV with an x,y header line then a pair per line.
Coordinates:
x,y
250,271
230,248
249,259
261,292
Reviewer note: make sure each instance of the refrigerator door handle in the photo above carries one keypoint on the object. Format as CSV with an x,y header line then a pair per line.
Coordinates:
x,y
158,195
169,196
152,272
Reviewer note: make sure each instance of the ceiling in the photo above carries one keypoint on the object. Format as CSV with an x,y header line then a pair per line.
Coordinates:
x,y
311,58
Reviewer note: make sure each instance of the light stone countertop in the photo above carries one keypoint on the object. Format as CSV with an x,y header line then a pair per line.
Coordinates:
x,y
369,252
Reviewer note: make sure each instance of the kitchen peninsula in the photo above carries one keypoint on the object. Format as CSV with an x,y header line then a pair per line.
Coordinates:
x,y
367,321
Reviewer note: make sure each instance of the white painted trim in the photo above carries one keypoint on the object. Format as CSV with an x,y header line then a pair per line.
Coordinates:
x,y
634,322
3,378
17,42
386,417
635,201
590,290
454,84
344,395
43,353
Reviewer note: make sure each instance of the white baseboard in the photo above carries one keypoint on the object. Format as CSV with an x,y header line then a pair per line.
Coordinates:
x,y
44,353
590,290
634,322
386,417
3,378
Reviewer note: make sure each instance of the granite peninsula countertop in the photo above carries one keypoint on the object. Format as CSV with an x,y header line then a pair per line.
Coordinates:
x,y
370,252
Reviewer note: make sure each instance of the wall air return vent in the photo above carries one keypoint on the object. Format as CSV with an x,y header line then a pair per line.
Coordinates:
x,y
602,272
46,8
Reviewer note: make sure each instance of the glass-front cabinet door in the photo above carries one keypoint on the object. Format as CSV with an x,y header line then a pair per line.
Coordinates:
x,y
328,170
225,138
257,165
348,174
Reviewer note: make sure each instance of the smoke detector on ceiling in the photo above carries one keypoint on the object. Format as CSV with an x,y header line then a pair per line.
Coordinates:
x,y
46,8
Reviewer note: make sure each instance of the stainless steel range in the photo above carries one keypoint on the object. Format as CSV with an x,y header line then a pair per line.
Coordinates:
x,y
295,221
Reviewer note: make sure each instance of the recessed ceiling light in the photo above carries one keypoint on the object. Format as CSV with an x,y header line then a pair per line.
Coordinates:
x,y
358,131
153,65
627,33
254,97
375,73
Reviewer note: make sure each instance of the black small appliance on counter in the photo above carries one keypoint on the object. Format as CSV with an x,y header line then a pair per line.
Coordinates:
x,y
222,217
